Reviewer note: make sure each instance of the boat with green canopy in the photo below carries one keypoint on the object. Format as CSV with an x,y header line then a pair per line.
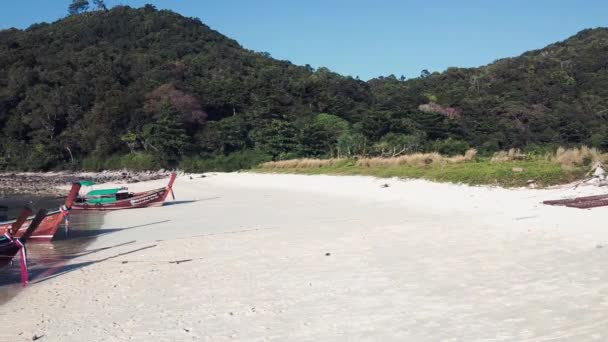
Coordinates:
x,y
86,183
121,198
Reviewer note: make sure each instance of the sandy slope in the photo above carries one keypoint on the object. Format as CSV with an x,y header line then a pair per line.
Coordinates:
x,y
308,258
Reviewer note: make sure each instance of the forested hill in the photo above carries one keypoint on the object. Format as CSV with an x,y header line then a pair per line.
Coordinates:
x,y
147,88
556,95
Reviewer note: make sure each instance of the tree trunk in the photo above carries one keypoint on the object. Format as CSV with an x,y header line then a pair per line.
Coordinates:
x,y
70,153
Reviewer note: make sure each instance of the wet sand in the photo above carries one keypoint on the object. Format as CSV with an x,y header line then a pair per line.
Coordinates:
x,y
285,257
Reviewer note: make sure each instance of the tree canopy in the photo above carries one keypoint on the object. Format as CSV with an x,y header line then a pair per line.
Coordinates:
x,y
78,6
125,81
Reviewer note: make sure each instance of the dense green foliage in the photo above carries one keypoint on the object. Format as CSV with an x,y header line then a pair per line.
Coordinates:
x,y
143,88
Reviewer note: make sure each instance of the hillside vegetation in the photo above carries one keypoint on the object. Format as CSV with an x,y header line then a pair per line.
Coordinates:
x,y
143,88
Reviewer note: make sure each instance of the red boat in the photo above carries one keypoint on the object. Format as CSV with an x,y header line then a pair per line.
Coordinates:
x,y
49,225
120,198
10,245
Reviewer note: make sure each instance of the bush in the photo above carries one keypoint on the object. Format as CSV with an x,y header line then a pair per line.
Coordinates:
x,y
450,147
93,163
242,160
139,162
394,144
40,158
540,150
131,161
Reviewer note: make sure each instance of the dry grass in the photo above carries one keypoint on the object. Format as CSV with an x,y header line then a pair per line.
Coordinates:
x,y
507,156
509,168
468,156
415,159
408,159
578,156
569,158
305,163
565,157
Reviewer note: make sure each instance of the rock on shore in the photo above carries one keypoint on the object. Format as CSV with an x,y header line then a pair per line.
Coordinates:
x,y
46,183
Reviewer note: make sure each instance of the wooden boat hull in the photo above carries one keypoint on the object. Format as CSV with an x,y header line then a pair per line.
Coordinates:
x,y
152,198
11,245
139,200
586,202
46,230
49,224
8,250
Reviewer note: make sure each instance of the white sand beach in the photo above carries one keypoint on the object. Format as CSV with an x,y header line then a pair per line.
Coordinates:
x,y
323,258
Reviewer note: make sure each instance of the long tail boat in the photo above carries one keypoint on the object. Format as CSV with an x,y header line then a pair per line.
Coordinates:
x,y
121,198
50,223
585,202
11,245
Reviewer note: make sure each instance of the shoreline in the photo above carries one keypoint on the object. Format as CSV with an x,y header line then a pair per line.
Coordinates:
x,y
54,183
51,183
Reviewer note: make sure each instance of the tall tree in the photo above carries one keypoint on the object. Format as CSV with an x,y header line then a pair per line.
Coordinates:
x,y
78,6
165,137
100,4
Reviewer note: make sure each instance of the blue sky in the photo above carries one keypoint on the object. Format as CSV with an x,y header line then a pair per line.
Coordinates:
x,y
369,38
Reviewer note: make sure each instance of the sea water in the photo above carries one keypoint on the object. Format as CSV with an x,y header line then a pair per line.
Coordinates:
x,y
47,260
11,206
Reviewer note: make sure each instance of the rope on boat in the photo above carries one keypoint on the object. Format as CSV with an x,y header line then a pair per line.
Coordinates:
x,y
66,215
22,257
22,261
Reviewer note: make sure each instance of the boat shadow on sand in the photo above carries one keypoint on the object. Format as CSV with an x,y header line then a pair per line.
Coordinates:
x,y
50,260
167,204
43,274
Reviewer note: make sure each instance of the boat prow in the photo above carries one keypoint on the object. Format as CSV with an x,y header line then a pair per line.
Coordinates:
x,y
50,222
11,245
